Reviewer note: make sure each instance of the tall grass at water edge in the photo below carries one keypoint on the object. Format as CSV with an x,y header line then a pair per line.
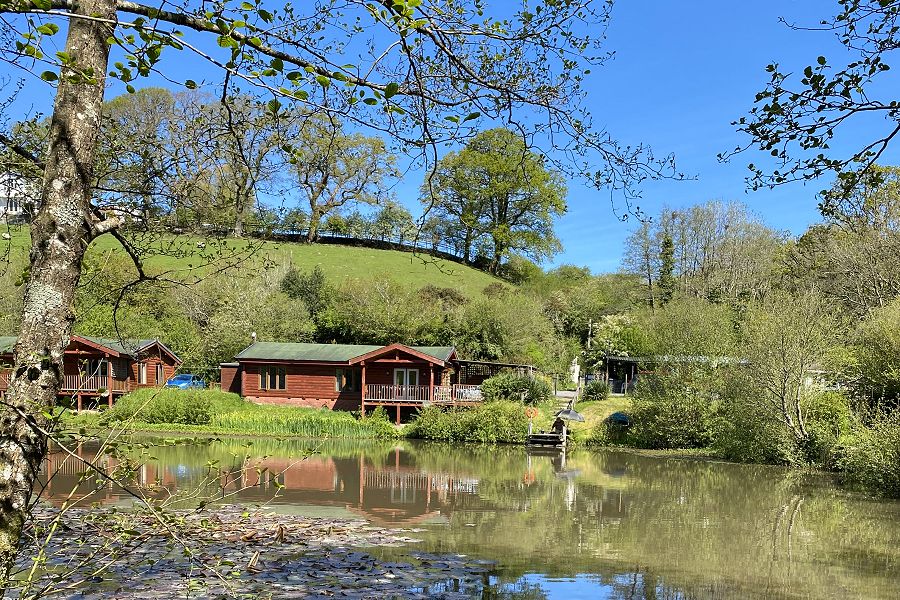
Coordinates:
x,y
213,411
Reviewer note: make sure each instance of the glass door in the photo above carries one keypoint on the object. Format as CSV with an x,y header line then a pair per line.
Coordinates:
x,y
403,380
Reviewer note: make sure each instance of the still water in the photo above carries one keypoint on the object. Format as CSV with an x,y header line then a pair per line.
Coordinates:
x,y
583,525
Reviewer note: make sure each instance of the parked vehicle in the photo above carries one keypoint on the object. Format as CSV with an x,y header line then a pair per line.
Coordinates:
x,y
186,381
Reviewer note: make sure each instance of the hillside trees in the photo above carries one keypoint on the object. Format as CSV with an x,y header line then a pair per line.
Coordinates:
x,y
425,72
852,257
334,169
713,250
501,195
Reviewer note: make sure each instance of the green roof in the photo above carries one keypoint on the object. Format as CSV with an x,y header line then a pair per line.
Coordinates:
x,y
325,352
6,344
126,347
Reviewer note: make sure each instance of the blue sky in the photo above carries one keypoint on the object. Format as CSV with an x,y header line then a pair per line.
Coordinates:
x,y
682,72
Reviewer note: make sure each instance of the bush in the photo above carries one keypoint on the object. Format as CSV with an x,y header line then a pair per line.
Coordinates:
x,y
596,390
514,388
669,413
869,457
498,421
827,419
181,407
744,432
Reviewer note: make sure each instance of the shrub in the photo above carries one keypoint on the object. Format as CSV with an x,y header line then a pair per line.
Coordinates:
x,y
827,419
513,387
869,457
669,413
596,390
498,421
182,407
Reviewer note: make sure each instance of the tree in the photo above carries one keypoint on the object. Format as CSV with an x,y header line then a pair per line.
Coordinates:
x,y
393,220
797,118
334,169
852,257
247,136
496,187
641,257
720,251
666,269
434,69
312,288
784,341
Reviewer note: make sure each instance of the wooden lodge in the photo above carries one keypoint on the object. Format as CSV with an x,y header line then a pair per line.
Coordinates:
x,y
355,377
99,368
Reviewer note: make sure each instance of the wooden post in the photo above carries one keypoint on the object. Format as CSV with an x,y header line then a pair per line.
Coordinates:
x,y
78,396
398,414
109,376
431,383
362,390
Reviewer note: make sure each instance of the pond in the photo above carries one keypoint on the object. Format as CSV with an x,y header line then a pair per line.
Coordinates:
x,y
606,524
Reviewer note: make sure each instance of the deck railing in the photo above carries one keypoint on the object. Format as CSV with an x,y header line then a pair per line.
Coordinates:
x,y
421,394
93,383
79,383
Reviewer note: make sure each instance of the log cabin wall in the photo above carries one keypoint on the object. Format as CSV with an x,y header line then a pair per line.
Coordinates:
x,y
230,379
152,357
306,385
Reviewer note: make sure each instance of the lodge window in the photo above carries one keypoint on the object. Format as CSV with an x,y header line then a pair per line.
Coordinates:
x,y
272,378
142,373
346,380
95,367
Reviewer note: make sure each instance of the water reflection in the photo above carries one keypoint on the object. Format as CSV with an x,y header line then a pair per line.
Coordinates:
x,y
586,524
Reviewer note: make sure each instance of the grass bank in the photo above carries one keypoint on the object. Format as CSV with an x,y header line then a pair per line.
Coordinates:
x,y
179,253
215,412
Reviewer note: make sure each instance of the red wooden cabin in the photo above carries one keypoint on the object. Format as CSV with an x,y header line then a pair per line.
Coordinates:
x,y
96,368
348,377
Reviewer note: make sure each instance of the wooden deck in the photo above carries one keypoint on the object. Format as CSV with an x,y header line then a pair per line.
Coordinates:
x,y
418,396
422,395
79,384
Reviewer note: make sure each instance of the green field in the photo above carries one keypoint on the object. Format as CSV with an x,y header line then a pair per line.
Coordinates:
x,y
181,255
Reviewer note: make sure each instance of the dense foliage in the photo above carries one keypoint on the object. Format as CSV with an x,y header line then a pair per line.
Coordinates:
x,y
514,387
492,422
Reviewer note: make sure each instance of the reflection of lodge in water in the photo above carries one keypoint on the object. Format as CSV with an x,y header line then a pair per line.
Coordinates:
x,y
393,492
386,488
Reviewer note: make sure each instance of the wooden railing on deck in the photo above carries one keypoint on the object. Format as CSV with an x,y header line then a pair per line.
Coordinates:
x,y
421,394
78,383
398,393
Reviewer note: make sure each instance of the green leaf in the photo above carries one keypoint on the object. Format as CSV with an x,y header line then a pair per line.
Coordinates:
x,y
274,106
130,88
247,6
277,64
471,116
370,101
49,76
323,81
821,60
48,28
391,89
190,84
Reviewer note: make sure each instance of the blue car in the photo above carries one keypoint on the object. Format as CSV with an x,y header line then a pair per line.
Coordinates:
x,y
186,381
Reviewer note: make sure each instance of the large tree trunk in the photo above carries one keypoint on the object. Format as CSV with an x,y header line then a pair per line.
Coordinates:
x,y
60,234
315,218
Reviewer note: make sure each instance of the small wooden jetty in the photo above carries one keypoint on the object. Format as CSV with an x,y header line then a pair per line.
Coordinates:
x,y
559,431
546,439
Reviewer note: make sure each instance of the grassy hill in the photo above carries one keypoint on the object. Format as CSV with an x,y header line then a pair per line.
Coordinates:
x,y
182,255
